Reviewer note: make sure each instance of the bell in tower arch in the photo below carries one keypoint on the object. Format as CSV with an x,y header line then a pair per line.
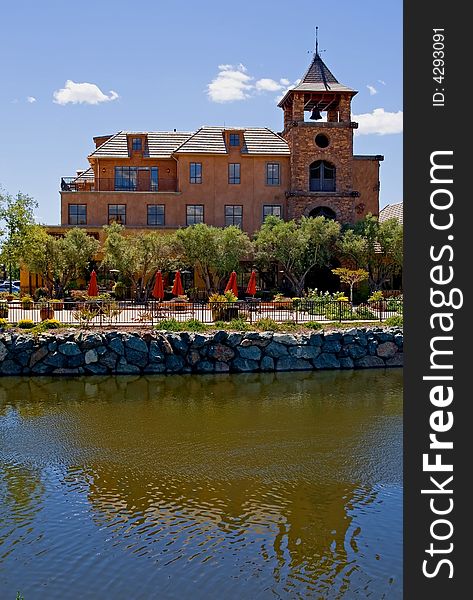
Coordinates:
x,y
315,116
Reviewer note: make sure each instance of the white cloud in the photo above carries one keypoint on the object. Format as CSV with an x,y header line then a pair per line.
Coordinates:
x,y
288,87
268,85
232,83
381,82
31,99
379,122
372,90
82,93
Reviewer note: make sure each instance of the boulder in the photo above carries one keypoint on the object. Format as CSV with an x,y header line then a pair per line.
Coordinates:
x,y
117,346
91,356
276,350
178,344
38,355
267,363
10,367
355,351
306,352
369,362
135,357
250,352
221,352
396,361
69,349
96,369
234,339
386,349
155,368
222,367
155,354
133,342
244,365
289,363
331,345
55,359
285,338
109,360
174,363
204,366
326,361
255,338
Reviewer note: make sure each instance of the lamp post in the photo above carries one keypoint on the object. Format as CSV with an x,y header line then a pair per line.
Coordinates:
x,y
185,282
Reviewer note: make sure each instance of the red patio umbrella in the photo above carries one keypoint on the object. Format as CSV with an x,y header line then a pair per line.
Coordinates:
x,y
177,288
158,290
251,289
232,284
93,289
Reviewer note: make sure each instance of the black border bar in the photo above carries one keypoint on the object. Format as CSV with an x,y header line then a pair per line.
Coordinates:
x,y
437,131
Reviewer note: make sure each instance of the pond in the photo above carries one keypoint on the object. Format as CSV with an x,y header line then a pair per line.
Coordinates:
x,y
277,485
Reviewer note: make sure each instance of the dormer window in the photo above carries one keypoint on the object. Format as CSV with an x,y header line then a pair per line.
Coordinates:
x,y
136,144
234,139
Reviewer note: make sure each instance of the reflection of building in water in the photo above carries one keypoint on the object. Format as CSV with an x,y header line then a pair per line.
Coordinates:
x,y
196,470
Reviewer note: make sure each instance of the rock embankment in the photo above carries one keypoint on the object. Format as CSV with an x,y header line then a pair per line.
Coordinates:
x,y
83,353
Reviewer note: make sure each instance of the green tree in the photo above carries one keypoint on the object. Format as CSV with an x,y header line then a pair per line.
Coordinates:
x,y
139,256
58,260
212,251
16,217
297,246
351,277
374,246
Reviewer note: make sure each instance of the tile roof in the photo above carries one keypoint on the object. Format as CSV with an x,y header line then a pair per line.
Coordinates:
x,y
206,140
87,175
260,140
318,78
256,140
161,144
392,211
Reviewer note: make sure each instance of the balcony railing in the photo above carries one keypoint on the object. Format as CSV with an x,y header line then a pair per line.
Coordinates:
x,y
104,184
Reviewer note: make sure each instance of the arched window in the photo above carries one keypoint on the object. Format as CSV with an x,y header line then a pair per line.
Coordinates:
x,y
322,177
323,211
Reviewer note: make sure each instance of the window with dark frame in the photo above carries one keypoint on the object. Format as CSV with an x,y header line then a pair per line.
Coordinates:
x,y
136,144
154,179
322,177
234,173
156,214
273,174
195,172
234,215
126,179
234,139
77,214
117,213
194,214
274,210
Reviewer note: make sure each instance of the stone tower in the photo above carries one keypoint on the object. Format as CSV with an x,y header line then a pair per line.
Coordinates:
x,y
326,178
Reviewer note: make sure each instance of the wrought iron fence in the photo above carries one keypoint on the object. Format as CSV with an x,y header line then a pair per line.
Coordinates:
x,y
104,313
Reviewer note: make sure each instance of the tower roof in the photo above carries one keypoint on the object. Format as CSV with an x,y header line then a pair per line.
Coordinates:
x,y
318,78
318,72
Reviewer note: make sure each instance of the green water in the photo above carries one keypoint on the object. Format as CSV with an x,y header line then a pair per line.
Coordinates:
x,y
244,486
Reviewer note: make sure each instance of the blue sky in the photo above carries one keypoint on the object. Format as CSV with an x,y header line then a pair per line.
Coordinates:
x,y
150,65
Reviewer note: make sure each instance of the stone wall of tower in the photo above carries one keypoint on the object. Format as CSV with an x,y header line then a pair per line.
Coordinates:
x,y
304,151
343,207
